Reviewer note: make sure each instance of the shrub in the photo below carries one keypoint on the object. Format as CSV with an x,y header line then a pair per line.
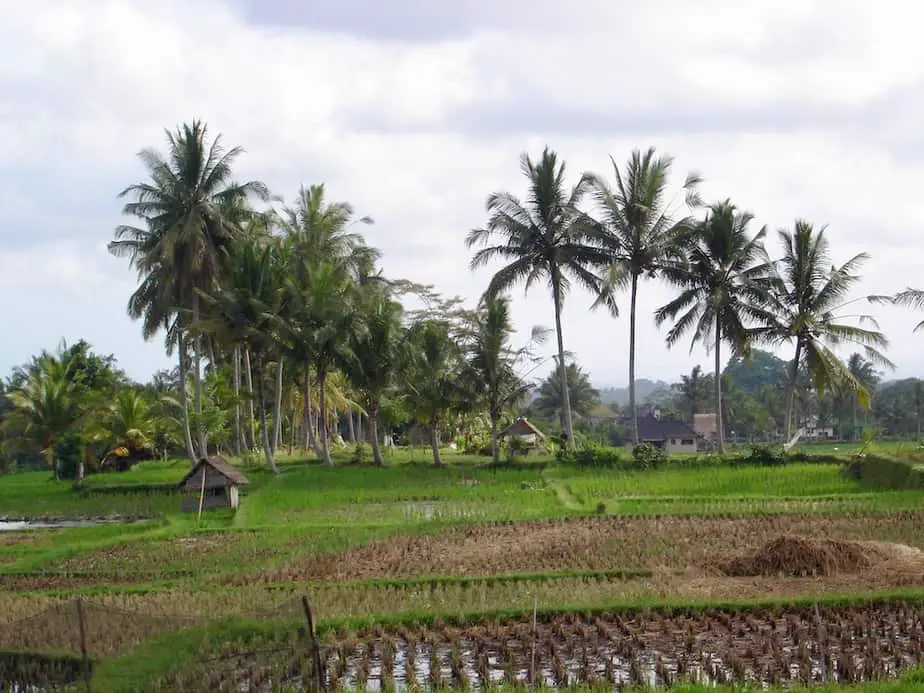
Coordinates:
x,y
596,456
360,453
885,471
648,456
766,456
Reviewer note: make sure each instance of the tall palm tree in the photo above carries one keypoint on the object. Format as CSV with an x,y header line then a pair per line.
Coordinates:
x,y
493,361
321,319
544,238
319,231
641,232
189,207
718,289
245,307
374,357
808,296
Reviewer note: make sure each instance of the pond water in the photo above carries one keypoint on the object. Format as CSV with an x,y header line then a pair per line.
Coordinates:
x,y
23,525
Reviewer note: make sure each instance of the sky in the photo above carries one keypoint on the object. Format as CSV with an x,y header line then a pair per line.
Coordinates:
x,y
415,111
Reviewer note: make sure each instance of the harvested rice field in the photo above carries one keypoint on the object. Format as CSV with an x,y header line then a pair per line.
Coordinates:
x,y
766,646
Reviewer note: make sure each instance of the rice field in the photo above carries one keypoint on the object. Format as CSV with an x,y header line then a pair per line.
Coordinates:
x,y
421,548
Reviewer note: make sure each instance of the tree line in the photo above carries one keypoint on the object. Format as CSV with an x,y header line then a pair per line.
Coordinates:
x,y
284,325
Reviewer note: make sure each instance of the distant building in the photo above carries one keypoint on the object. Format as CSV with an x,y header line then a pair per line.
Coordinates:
x,y
602,413
814,431
672,436
705,425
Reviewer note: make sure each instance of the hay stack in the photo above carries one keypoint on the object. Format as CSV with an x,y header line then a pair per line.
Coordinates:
x,y
800,556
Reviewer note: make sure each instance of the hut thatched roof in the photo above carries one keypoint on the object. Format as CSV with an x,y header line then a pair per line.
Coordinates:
x,y
218,472
521,427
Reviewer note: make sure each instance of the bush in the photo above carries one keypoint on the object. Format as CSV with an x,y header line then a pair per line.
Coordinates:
x,y
595,456
648,456
766,456
361,453
885,472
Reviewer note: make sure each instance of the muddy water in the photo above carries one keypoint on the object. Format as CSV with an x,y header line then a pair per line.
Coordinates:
x,y
838,644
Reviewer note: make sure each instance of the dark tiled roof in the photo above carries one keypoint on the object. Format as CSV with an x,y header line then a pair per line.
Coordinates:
x,y
650,428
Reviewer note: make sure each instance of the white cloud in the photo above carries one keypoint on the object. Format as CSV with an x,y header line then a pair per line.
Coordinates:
x,y
794,109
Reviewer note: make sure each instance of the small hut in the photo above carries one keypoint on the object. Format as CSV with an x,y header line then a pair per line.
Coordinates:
x,y
524,433
216,480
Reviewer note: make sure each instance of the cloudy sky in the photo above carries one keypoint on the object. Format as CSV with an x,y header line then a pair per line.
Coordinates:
x,y
415,110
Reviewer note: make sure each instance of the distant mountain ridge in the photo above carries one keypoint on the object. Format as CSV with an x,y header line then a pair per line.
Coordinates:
x,y
644,388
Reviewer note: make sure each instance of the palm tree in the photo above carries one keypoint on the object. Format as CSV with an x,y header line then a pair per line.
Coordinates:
x,y
718,289
189,207
46,407
320,319
807,297
640,231
432,377
909,298
319,231
864,372
373,359
693,390
245,307
546,238
583,395
493,361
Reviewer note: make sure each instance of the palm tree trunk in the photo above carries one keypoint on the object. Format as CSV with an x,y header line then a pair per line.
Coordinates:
x,y
495,449
719,432
374,428
435,442
632,298
360,428
239,444
310,441
565,395
853,433
351,430
248,371
197,381
261,397
791,393
277,414
322,405
187,434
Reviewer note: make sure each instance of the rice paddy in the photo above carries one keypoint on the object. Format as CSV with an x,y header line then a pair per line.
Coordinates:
x,y
420,548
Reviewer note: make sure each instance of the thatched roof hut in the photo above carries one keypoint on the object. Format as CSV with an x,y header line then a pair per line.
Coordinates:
x,y
221,484
524,430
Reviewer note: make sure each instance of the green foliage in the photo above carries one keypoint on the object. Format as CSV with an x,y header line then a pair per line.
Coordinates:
x,y
361,453
648,456
595,456
885,472
766,456
70,451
